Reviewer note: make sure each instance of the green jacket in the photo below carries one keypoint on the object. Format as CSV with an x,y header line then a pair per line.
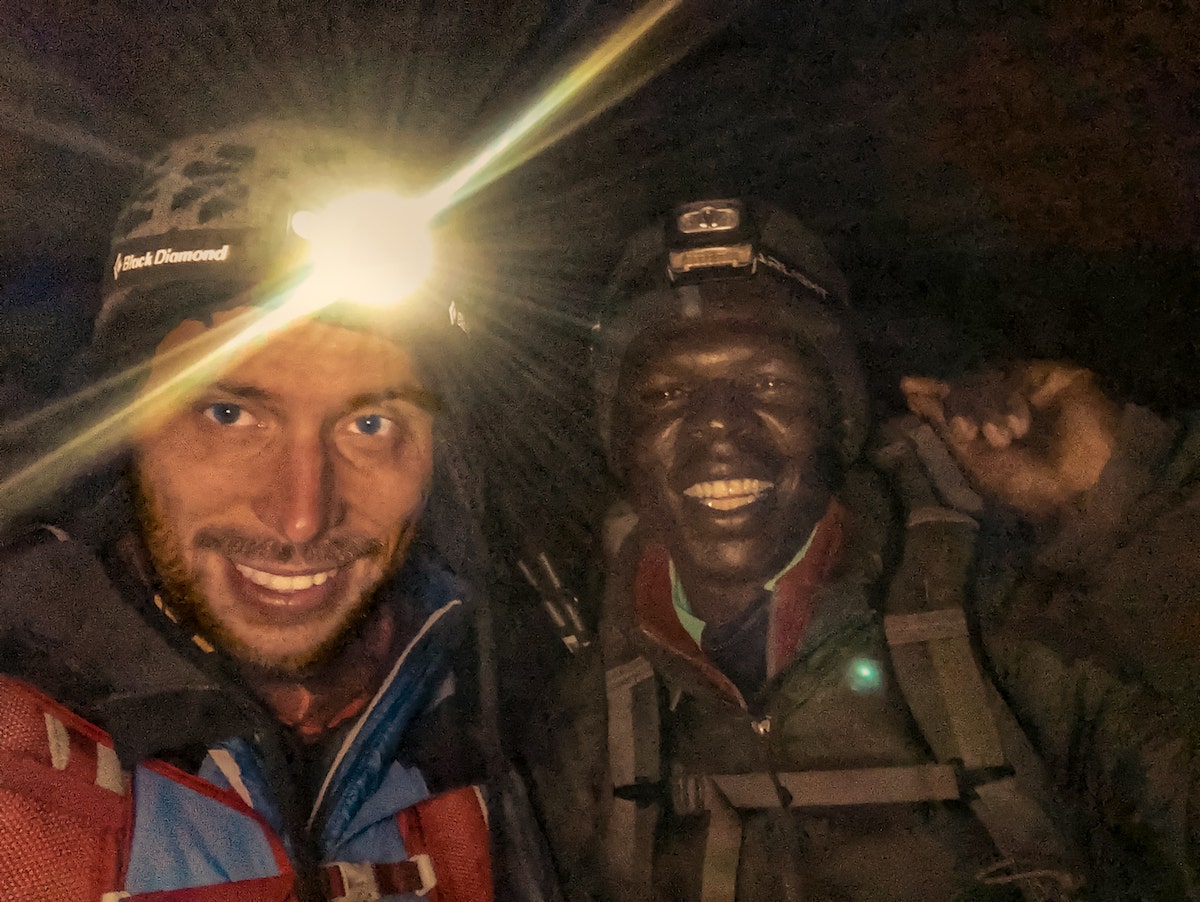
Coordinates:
x,y
1086,631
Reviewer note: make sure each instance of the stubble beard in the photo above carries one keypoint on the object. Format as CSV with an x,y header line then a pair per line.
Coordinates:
x,y
188,605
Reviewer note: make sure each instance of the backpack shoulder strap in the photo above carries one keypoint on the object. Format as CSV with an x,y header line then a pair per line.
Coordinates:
x,y
956,707
65,803
632,691
634,766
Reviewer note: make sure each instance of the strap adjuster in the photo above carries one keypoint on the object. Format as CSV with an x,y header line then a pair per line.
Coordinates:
x,y
425,871
369,881
643,792
969,779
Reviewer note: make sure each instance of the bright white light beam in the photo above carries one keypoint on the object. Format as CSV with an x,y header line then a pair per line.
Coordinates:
x,y
474,175
373,247
191,365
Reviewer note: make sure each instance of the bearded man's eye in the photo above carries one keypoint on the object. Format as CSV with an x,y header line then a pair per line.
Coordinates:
x,y
226,414
371,424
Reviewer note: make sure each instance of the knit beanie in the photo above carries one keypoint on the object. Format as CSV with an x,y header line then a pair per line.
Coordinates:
x,y
210,226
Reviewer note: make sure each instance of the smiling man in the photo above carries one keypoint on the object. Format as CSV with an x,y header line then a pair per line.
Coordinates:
x,y
732,461
233,663
733,403
277,501
794,695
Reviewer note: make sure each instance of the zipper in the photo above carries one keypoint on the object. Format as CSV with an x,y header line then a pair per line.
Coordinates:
x,y
351,737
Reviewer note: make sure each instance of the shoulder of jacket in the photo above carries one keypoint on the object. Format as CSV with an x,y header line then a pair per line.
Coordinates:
x,y
32,537
620,521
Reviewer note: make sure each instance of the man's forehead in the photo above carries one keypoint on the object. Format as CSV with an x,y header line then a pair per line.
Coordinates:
x,y
313,354
722,342
255,328
190,331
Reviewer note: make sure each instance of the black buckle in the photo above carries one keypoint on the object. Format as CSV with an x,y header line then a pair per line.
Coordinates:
x,y
642,792
968,780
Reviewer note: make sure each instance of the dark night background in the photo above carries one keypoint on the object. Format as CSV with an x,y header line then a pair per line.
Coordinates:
x,y
996,178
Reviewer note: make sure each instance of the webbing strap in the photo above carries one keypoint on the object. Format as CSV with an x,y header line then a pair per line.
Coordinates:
x,y
228,766
369,882
1025,836
904,629
943,472
948,694
108,770
633,755
937,669
813,789
931,649
722,847
59,740
1020,827
632,722
965,695
109,774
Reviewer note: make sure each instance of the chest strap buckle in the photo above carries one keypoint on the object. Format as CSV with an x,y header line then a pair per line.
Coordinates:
x,y
370,881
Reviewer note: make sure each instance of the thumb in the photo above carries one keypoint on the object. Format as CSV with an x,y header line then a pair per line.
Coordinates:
x,y
925,397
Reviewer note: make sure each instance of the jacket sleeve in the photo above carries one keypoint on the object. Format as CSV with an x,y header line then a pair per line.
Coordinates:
x,y
1097,647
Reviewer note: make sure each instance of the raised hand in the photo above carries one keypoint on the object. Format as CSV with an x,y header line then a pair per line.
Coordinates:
x,y
1032,435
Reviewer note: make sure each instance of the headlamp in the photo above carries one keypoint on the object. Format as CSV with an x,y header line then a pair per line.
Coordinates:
x,y
709,238
370,247
719,239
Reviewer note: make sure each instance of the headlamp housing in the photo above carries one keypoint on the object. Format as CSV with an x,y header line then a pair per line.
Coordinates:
x,y
708,239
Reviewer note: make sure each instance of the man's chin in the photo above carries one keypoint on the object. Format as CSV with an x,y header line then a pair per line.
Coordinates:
x,y
295,632
285,633
297,649
736,561
296,658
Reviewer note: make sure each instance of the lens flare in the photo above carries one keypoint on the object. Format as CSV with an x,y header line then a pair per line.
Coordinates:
x,y
376,264
372,247
560,109
864,675
177,375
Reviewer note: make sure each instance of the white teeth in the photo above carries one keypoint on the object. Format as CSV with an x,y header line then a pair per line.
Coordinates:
x,y
727,504
728,494
277,583
728,488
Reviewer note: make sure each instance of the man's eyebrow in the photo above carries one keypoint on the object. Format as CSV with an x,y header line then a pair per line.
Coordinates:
x,y
424,399
248,392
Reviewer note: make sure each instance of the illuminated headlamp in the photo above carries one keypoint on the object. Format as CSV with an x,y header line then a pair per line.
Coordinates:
x,y
709,239
372,248
369,247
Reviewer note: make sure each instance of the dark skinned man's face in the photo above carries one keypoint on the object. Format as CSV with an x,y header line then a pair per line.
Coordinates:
x,y
728,447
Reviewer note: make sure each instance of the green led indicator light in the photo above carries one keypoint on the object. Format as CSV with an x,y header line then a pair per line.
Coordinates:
x,y
864,675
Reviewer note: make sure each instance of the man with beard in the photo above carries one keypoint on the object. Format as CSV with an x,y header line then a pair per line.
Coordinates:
x,y
232,668
820,679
